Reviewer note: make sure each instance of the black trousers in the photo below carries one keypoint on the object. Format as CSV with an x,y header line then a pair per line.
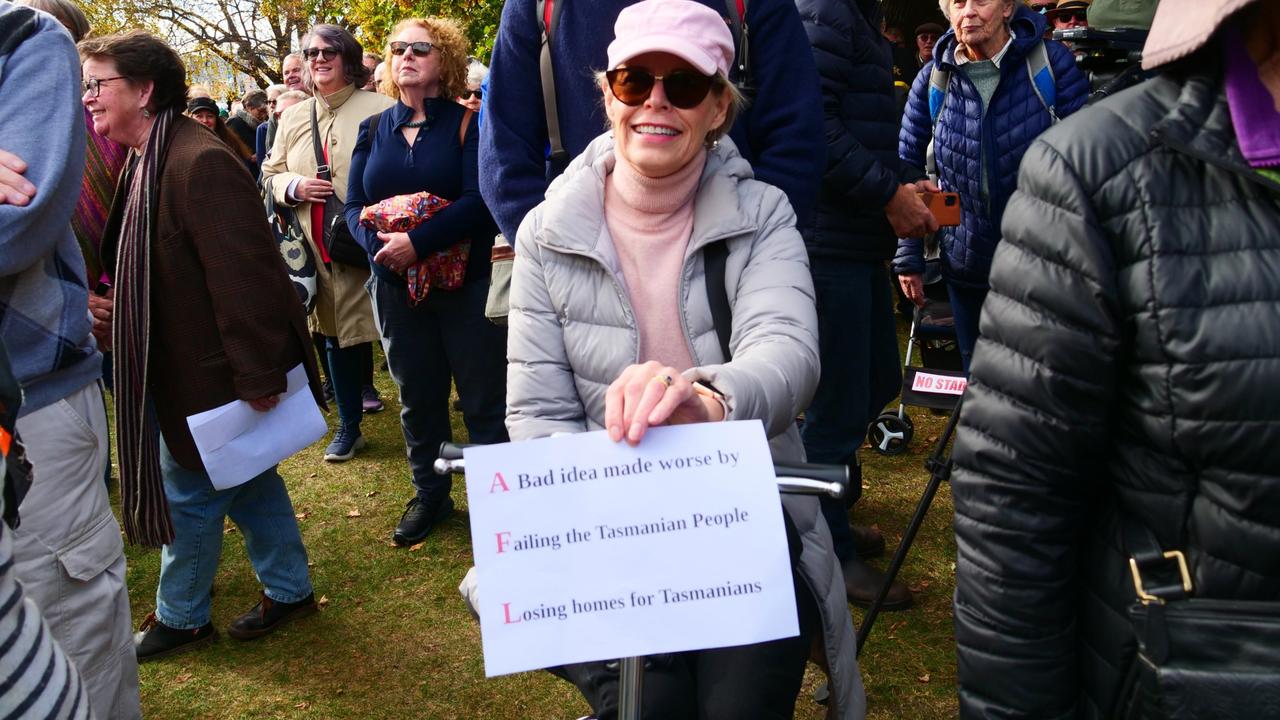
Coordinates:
x,y
444,338
735,683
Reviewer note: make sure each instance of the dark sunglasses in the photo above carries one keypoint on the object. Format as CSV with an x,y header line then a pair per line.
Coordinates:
x,y
420,49
313,53
684,88
477,94
1042,9
1073,16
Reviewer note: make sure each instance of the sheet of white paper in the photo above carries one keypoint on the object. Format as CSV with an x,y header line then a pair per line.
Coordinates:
x,y
238,443
588,549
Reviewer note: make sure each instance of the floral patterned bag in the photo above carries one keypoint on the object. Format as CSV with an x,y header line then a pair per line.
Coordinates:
x,y
444,269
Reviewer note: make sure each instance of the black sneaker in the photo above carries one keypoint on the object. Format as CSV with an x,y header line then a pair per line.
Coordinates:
x,y
268,615
419,518
155,640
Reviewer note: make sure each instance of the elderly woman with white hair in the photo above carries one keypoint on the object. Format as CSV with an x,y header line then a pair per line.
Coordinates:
x,y
993,86
611,327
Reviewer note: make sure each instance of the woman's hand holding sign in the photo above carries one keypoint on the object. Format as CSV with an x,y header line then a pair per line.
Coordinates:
x,y
652,394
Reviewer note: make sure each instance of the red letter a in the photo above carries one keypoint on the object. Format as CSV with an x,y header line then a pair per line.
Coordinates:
x,y
497,480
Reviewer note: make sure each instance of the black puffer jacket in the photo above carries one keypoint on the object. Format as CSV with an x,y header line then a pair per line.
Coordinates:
x,y
860,119
1130,358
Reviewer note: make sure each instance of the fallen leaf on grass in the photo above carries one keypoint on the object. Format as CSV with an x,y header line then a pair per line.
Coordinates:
x,y
416,548
312,476
371,493
353,513
184,677
323,602
923,678
304,705
919,587
228,530
303,515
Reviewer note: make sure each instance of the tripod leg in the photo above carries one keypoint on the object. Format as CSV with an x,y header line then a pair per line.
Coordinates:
x,y
899,556
630,687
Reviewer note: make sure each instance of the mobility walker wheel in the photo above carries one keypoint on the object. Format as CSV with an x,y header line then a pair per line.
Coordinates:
x,y
890,434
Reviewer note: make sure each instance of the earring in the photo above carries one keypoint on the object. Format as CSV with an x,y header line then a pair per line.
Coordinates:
x,y
146,113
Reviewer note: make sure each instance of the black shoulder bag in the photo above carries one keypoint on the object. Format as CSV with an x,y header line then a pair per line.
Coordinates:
x,y
1197,657
338,242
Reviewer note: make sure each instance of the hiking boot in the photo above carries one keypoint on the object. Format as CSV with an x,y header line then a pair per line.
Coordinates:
x,y
155,640
867,542
346,441
268,615
370,402
420,517
862,582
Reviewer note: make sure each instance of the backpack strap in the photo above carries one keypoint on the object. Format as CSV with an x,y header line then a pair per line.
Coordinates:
x,y
740,73
1040,71
939,79
548,15
714,257
16,25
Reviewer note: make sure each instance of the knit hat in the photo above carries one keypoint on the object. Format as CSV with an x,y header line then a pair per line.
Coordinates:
x,y
929,27
689,30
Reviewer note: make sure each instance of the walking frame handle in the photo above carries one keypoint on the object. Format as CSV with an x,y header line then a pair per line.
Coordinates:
x,y
793,478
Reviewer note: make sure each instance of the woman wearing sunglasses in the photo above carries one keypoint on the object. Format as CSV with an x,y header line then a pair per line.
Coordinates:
x,y
427,142
335,71
611,328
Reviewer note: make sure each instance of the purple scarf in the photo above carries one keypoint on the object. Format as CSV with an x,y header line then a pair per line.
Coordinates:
x,y
1253,109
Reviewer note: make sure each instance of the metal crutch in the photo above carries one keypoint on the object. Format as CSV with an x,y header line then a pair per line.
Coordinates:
x,y
793,478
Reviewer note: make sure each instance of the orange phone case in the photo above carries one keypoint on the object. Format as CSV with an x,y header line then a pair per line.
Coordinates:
x,y
945,207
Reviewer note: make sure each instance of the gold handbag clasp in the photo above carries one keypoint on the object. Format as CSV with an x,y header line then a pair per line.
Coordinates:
x,y
1147,598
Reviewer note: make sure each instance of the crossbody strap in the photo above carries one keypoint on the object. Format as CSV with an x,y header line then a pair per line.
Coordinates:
x,y
322,164
548,16
714,257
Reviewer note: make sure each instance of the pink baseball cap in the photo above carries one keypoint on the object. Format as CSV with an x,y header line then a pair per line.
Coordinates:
x,y
689,30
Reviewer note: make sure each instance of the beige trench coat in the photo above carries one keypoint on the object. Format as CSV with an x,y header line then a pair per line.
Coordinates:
x,y
343,309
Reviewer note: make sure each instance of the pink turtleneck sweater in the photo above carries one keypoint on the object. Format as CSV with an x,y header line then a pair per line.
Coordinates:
x,y
650,220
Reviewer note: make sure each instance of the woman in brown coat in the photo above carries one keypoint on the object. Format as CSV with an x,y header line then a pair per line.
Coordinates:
x,y
204,315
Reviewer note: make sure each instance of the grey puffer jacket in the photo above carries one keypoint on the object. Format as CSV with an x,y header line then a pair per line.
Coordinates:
x,y
572,332
1129,362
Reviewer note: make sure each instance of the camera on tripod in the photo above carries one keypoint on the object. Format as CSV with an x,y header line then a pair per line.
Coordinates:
x,y
1112,58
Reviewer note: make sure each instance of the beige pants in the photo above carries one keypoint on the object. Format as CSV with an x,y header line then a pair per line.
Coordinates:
x,y
68,551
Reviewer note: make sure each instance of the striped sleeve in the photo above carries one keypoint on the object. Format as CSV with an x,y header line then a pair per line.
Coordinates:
x,y
37,681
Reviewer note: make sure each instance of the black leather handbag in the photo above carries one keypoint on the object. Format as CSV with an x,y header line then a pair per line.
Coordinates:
x,y
1197,657
339,244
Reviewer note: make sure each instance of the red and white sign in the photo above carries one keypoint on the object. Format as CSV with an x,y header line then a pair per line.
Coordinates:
x,y
942,384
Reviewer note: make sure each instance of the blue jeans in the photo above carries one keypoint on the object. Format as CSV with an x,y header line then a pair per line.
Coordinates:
x,y
347,372
445,337
966,309
861,371
260,508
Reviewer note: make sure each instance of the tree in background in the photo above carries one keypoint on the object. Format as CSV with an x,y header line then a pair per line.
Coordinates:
x,y
253,36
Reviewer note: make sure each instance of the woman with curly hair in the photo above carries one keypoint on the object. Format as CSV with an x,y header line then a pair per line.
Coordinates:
x,y
427,142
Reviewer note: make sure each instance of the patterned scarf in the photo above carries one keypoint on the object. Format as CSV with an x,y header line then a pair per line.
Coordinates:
x,y
103,162
143,505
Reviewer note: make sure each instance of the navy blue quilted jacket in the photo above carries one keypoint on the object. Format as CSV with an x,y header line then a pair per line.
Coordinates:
x,y
860,117
1016,116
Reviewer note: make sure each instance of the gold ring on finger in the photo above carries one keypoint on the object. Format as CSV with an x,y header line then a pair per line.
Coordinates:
x,y
666,380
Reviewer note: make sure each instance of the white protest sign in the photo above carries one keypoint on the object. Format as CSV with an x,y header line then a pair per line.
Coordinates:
x,y
588,549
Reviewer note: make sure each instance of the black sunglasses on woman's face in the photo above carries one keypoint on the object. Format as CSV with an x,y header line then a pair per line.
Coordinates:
x,y
315,52
477,94
685,89
420,49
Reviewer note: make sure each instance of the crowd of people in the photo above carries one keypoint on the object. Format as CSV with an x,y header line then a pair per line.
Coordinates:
x,y
1111,282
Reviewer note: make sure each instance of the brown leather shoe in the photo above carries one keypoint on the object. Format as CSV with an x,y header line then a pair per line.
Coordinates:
x,y
268,615
862,582
867,541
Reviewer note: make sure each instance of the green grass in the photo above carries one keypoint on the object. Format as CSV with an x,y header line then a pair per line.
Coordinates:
x,y
394,641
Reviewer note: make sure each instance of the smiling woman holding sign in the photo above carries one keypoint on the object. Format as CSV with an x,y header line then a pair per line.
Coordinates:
x,y
663,285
